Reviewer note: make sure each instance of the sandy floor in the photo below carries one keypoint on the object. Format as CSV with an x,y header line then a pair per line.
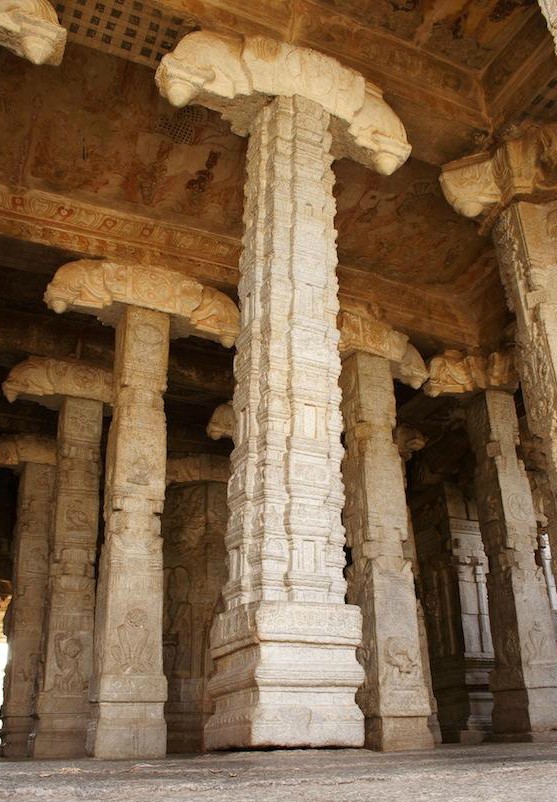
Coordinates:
x,y
486,773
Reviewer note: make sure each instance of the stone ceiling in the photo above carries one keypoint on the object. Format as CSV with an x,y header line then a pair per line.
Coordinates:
x,y
455,70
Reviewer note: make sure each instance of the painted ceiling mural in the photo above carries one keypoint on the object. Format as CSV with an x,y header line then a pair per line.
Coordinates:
x,y
467,32
96,128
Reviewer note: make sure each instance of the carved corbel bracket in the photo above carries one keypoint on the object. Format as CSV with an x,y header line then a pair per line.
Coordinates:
x,y
102,288
549,10
237,76
520,167
197,468
455,373
48,381
20,448
30,29
222,423
366,333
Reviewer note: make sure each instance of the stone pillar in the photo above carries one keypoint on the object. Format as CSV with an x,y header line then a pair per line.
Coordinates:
x,y
128,687
524,681
410,440
193,528
285,594
454,567
30,577
80,391
511,192
63,705
394,695
284,648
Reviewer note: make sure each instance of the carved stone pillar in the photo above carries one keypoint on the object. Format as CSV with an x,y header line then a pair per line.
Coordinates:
x,y
524,681
453,568
410,440
147,305
286,669
500,190
80,391
35,460
394,696
193,528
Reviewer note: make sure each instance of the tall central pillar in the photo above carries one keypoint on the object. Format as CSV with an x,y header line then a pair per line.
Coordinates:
x,y
285,646
286,671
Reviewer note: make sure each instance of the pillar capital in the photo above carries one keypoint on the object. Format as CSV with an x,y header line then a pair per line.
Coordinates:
x,y
30,29
104,288
18,449
367,333
237,76
48,381
455,373
222,422
519,168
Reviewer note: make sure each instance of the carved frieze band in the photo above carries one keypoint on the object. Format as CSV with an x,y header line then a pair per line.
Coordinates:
x,y
103,288
30,29
359,333
235,76
48,380
21,448
455,373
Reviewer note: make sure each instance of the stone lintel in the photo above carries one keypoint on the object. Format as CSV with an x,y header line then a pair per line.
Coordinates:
x,y
519,168
103,288
48,381
30,29
455,373
197,468
18,449
237,76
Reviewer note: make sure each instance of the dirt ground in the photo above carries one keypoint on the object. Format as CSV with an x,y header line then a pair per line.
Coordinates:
x,y
484,773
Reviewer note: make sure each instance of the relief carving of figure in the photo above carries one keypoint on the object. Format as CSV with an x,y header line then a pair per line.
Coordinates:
x,y
67,649
402,658
134,652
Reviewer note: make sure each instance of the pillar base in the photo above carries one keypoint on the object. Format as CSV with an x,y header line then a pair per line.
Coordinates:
x,y
61,726
528,715
398,733
286,676
53,742
16,732
120,730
